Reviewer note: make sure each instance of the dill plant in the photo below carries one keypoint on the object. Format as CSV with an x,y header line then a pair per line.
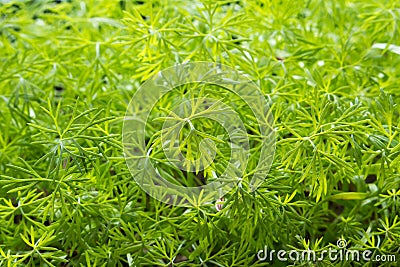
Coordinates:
x,y
329,70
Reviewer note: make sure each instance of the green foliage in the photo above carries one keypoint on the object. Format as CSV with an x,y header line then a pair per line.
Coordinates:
x,y
68,69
